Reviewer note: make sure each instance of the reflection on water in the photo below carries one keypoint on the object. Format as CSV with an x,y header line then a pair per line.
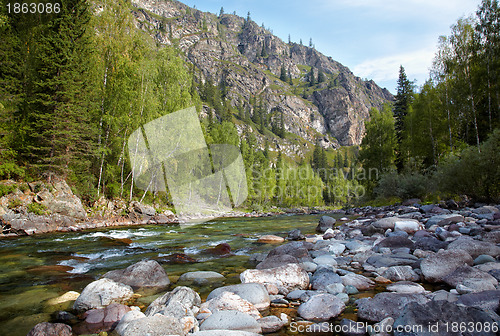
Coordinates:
x,y
37,268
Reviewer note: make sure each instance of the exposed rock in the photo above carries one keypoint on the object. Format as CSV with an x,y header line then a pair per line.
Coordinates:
x,y
401,273
385,305
270,324
295,235
201,277
442,220
434,317
286,278
254,293
435,268
326,260
483,259
380,260
50,329
176,303
358,281
296,249
430,244
321,307
61,200
103,319
224,332
145,276
406,287
271,239
277,261
466,272
157,325
101,293
325,223
230,301
395,242
219,250
143,209
408,226
231,320
127,318
323,277
487,300
474,247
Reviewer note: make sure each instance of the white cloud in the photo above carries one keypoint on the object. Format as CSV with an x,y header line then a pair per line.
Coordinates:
x,y
416,64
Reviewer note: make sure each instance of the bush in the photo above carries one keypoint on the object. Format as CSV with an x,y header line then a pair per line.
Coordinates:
x,y
472,172
37,209
6,189
404,186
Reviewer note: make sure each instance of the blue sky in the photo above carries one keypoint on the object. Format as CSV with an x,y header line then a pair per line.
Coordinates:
x,y
371,37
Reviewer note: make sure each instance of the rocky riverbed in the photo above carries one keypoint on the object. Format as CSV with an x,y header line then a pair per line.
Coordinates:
x,y
399,270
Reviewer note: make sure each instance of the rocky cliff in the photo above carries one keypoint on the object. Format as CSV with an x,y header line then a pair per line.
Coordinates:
x,y
249,59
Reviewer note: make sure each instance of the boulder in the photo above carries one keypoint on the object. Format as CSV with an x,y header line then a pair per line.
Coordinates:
x,y
295,235
381,260
50,329
157,325
103,319
408,226
127,318
386,223
222,249
323,277
466,272
201,277
358,281
177,303
325,223
483,259
436,267
442,220
385,305
254,293
321,307
352,328
401,273
436,317
296,249
286,278
474,247
101,293
146,276
395,242
61,200
231,320
406,287
271,239
277,261
271,324
430,244
143,209
487,300
230,301
326,260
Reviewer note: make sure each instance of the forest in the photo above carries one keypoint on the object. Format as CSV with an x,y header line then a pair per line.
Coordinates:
x,y
74,86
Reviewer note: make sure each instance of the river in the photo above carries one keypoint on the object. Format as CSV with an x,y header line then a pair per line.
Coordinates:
x,y
37,268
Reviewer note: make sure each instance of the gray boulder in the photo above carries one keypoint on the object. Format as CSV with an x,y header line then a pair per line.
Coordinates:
x,y
325,223
474,247
158,325
430,244
295,235
224,333
102,293
201,277
296,249
254,293
436,317
270,324
231,320
323,277
406,287
176,303
442,220
50,329
286,278
466,272
401,273
395,242
321,307
385,305
360,282
146,276
277,261
436,267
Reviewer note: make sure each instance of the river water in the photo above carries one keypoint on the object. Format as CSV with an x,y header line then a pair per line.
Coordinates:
x,y
35,269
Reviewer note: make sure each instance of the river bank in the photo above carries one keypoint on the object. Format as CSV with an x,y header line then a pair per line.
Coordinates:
x,y
424,268
38,207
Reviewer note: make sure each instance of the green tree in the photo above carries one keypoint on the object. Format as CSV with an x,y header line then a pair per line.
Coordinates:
x,y
404,97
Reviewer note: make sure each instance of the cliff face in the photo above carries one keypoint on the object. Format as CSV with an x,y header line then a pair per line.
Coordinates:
x,y
249,58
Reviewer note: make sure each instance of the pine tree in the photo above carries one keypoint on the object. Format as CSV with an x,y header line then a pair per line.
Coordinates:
x,y
283,75
404,98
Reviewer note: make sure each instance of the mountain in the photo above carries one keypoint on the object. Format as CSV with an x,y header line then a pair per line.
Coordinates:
x,y
249,60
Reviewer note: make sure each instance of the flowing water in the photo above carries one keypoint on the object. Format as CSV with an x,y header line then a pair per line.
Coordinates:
x,y
37,268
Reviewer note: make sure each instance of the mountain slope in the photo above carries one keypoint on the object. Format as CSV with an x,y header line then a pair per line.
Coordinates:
x,y
249,60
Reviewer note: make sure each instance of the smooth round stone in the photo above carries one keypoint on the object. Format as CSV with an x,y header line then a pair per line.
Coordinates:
x,y
406,287
483,259
326,259
271,239
200,276
335,288
343,297
351,290
309,266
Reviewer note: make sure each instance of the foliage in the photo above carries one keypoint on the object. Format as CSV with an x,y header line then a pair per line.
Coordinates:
x,y
37,208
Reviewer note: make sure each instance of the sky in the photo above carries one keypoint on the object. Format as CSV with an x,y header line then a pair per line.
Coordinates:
x,y
371,37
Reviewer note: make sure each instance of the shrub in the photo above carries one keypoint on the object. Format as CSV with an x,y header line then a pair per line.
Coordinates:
x,y
404,186
37,209
6,189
